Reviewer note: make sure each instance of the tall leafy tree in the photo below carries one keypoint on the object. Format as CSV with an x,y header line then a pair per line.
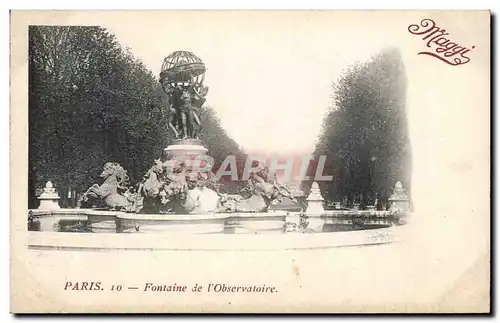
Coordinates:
x,y
365,133
91,101
221,146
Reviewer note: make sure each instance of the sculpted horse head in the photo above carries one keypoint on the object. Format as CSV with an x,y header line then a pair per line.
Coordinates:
x,y
115,183
281,191
152,182
114,173
262,195
156,168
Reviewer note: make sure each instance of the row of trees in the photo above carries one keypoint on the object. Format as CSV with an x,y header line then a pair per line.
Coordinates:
x,y
365,133
91,101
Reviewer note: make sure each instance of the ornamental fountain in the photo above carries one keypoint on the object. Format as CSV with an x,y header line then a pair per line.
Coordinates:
x,y
180,194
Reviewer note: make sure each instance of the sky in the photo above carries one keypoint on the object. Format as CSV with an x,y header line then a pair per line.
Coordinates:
x,y
269,74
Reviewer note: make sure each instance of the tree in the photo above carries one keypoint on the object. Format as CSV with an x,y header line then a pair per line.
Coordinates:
x,y
364,134
220,145
90,102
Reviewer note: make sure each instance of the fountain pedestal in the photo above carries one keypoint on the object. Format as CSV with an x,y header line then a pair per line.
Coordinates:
x,y
187,150
185,147
49,199
315,210
400,202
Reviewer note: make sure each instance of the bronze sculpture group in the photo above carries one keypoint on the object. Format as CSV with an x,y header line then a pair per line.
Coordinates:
x,y
183,103
167,189
114,192
182,79
171,186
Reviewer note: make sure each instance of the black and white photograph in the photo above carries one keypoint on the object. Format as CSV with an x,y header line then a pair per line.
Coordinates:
x,y
250,162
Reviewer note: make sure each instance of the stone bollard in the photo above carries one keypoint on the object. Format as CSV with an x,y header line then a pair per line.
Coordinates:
x,y
315,209
400,204
49,200
399,200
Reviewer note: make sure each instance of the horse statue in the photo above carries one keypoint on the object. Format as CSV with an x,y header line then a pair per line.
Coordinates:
x,y
261,194
169,188
114,190
151,184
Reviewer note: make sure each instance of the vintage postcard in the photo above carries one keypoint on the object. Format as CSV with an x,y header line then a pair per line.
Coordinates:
x,y
250,162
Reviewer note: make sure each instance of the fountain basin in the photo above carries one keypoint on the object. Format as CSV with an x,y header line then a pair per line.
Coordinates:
x,y
263,222
199,231
356,213
101,221
52,220
173,223
276,221
365,218
234,242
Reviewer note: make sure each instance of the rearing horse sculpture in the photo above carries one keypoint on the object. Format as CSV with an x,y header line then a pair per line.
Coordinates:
x,y
262,195
113,191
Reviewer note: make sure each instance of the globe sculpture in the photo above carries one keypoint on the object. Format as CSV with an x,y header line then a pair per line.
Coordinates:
x,y
182,75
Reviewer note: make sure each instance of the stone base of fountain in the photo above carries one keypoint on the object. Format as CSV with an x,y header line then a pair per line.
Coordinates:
x,y
237,242
185,147
101,221
261,223
171,223
114,230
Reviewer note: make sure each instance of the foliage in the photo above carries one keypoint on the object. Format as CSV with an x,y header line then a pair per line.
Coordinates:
x,y
91,101
365,133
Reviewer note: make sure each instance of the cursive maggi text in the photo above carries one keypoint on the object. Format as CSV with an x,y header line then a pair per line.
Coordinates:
x,y
441,46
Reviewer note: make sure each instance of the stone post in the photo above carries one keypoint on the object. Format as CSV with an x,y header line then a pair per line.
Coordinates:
x,y
315,209
49,199
400,204
399,200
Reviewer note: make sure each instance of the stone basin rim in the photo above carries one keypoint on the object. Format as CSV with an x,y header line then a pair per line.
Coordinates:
x,y
173,217
214,241
122,214
159,216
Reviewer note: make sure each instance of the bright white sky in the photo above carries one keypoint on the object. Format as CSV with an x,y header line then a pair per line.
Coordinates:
x,y
269,74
